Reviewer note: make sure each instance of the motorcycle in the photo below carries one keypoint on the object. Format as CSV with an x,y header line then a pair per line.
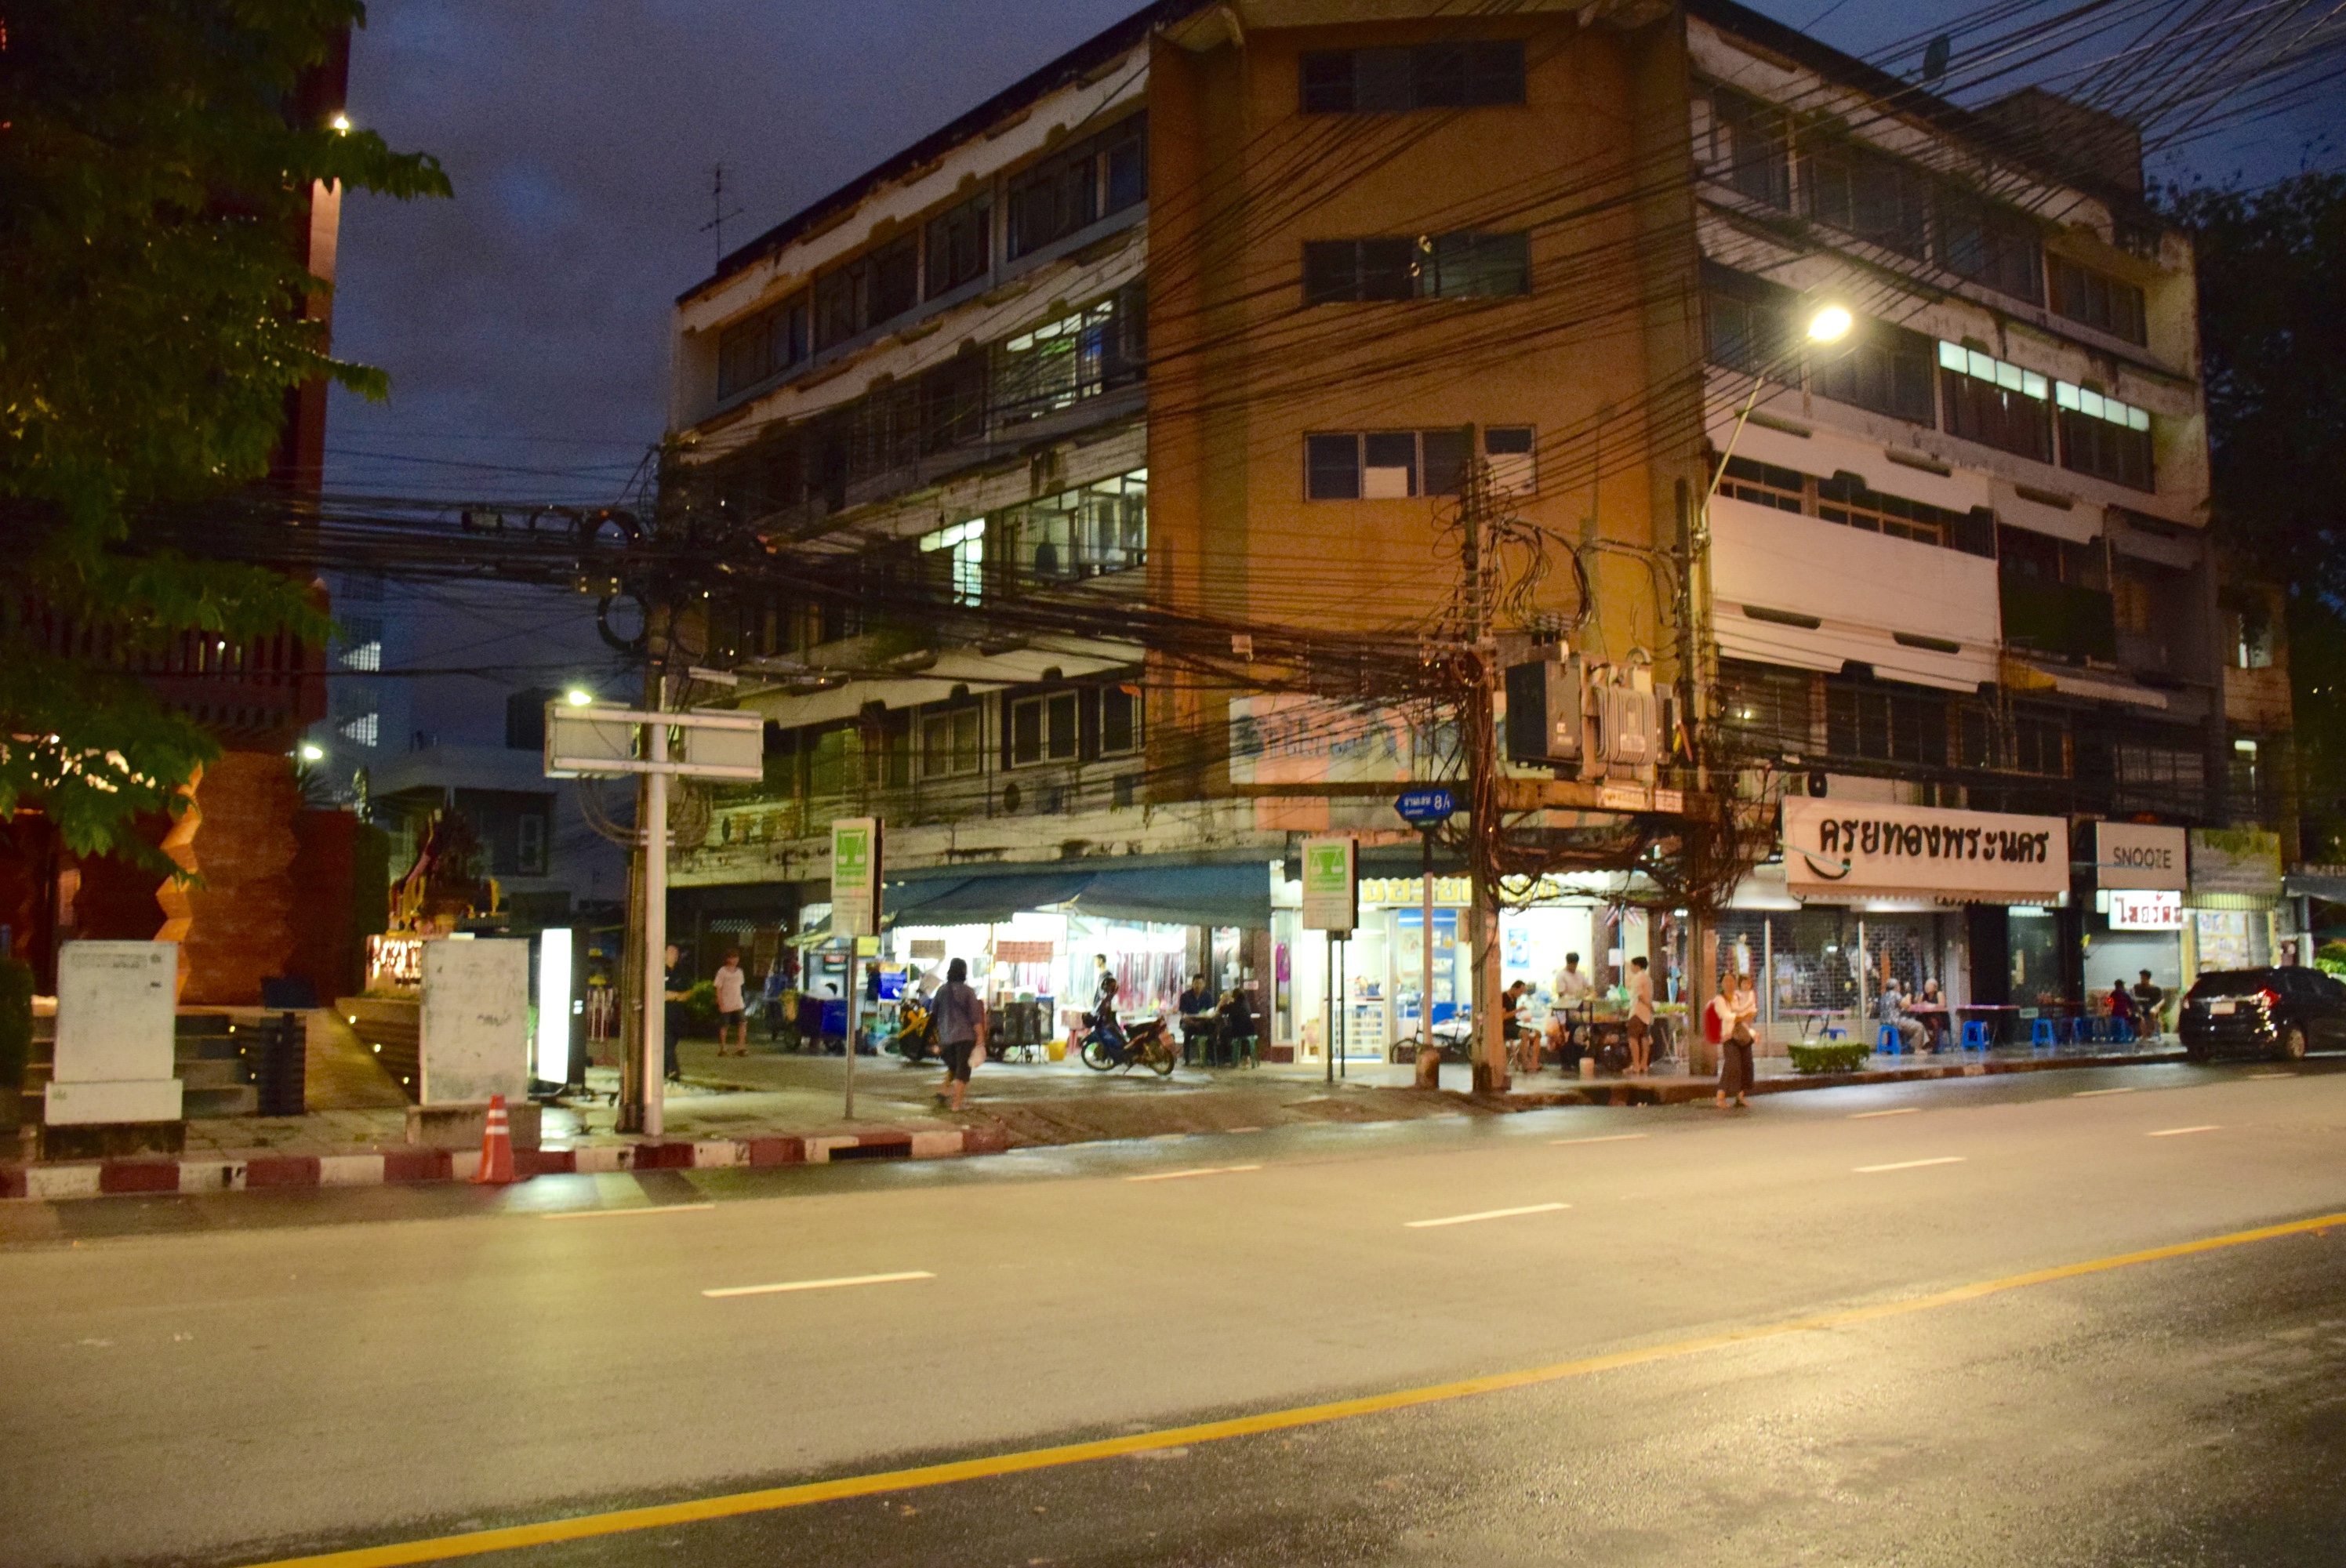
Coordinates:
x,y
915,1040
1106,1049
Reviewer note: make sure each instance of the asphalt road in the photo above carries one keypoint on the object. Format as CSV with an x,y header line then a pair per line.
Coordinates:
x,y
1758,1333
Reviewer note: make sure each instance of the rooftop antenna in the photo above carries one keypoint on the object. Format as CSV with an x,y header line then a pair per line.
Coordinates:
x,y
715,224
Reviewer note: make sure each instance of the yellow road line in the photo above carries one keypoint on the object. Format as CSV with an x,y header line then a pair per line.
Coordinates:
x,y
700,1511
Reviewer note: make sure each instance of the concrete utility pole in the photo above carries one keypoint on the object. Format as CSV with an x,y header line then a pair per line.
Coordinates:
x,y
1479,731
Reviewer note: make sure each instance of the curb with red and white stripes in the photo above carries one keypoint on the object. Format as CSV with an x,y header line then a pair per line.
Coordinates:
x,y
253,1172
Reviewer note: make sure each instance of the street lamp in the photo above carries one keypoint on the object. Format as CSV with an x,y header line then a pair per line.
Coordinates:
x,y
578,696
341,124
1831,324
312,752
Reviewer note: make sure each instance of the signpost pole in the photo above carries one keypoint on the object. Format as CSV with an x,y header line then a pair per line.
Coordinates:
x,y
854,996
1328,1034
655,929
1426,953
855,910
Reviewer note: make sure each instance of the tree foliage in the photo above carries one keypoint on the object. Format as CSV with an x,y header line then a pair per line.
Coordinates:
x,y
153,183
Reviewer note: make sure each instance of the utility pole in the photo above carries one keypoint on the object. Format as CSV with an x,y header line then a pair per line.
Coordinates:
x,y
1479,733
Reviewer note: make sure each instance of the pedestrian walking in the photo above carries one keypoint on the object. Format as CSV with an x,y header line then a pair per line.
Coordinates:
x,y
732,1007
1733,1009
1641,1017
960,1018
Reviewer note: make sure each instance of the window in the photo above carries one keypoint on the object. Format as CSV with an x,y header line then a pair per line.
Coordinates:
x,y
887,750
529,845
2245,774
1844,498
1512,456
1766,707
767,344
1439,267
2252,635
1075,187
962,549
1428,76
1044,729
365,730
1387,464
1995,404
2039,745
1886,723
872,289
1750,147
1885,369
1765,484
960,245
1747,323
951,743
1976,735
1060,363
1119,721
1868,194
2101,302
1087,532
1990,244
2102,436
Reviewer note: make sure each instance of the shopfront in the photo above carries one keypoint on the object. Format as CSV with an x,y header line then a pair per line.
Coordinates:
x,y
1870,892
2235,916
2141,878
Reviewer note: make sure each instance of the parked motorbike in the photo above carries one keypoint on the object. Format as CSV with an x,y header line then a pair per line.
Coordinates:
x,y
1145,1045
917,1042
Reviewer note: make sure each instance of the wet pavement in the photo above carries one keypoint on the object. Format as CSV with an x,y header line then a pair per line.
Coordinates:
x,y
266,1379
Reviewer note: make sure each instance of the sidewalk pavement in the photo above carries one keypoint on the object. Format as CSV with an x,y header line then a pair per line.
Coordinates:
x,y
769,1108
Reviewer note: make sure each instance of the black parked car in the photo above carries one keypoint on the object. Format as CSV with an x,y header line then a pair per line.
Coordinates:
x,y
2284,1012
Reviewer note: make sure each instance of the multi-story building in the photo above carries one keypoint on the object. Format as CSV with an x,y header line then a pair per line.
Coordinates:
x,y
1217,314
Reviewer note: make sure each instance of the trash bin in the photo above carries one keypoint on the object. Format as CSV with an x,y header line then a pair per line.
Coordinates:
x,y
283,1069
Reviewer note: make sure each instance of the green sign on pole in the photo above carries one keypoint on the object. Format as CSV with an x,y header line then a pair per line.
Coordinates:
x,y
855,876
1330,885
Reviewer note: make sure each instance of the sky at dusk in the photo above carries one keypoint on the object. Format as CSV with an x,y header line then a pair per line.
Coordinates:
x,y
525,322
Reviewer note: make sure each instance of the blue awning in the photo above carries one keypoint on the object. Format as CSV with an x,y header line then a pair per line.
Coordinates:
x,y
1235,895
982,900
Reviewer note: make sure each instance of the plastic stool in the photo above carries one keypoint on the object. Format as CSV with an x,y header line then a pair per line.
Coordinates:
x,y
2040,1033
1890,1040
2122,1032
1975,1035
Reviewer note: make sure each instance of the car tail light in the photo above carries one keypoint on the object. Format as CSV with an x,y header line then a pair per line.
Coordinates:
x,y
2269,997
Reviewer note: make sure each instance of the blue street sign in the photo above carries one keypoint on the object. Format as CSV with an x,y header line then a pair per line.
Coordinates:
x,y
1420,807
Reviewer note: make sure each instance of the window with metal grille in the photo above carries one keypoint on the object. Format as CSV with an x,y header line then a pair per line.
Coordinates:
x,y
1749,144
1426,76
772,341
1883,368
2102,302
1989,243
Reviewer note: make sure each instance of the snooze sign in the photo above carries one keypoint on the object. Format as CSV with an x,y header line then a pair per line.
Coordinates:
x,y
2137,855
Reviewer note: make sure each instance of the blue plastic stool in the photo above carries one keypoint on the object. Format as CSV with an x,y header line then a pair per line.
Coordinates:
x,y
1889,1041
2122,1032
2041,1034
1974,1033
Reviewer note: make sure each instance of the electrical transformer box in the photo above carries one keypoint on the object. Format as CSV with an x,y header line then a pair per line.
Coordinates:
x,y
1544,713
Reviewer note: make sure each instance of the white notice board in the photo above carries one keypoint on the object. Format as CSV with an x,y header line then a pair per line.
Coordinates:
x,y
474,1036
117,1004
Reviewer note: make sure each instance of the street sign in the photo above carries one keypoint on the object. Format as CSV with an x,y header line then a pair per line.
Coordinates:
x,y
1330,885
598,742
1421,807
855,876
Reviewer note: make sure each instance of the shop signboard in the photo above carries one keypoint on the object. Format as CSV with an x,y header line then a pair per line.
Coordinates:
x,y
1843,850
2243,860
1287,738
2145,909
1008,951
855,876
2138,855
1424,808
1330,885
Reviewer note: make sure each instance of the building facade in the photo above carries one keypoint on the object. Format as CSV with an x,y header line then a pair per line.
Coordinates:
x,y
1218,318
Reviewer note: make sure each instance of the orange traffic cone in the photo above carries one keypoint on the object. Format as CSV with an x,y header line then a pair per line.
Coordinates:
x,y
497,1148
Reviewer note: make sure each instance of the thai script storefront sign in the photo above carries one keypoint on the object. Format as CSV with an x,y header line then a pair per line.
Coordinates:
x,y
2241,861
1839,850
2137,855
1287,738
2145,909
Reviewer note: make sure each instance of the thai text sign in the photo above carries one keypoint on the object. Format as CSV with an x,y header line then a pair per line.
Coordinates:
x,y
2147,909
2137,855
855,876
1848,848
1330,886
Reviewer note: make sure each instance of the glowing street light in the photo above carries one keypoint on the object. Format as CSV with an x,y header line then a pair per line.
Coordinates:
x,y
341,124
312,752
1831,324
578,696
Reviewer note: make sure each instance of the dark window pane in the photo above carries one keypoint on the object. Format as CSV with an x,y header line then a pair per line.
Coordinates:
x,y
1119,719
1330,270
1990,244
1384,80
960,245
2085,295
1389,269
895,278
1883,368
1327,81
1481,266
835,302
1127,159
1445,453
1749,139
2111,451
1996,416
1331,467
1495,73
1389,464
1440,77
1027,731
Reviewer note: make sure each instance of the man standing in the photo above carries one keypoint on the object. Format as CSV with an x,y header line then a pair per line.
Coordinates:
x,y
732,1008
1571,1004
1641,1018
960,1016
673,984
2150,1002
